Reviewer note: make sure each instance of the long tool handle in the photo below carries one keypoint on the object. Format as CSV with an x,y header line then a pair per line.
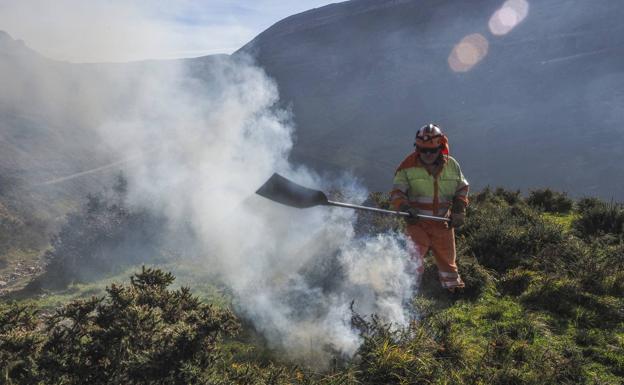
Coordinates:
x,y
373,209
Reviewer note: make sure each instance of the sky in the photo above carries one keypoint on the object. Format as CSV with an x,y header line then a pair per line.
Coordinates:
x,y
128,30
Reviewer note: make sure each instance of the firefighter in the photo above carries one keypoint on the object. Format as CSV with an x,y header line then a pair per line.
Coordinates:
x,y
429,181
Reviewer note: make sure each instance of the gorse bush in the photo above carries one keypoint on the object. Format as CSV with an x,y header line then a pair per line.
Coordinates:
x,y
502,237
498,195
477,278
587,203
20,340
142,333
600,219
388,356
550,201
566,298
516,281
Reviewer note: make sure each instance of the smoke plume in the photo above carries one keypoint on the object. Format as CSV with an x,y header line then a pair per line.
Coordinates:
x,y
196,138
207,138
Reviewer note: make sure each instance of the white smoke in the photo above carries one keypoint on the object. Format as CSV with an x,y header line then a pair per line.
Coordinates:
x,y
205,146
196,139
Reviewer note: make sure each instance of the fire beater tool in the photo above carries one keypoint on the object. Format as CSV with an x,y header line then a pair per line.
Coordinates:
x,y
289,193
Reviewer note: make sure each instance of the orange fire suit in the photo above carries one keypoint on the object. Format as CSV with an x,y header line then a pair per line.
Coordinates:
x,y
431,194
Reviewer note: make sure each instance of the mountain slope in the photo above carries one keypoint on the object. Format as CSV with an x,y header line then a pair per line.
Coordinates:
x,y
543,107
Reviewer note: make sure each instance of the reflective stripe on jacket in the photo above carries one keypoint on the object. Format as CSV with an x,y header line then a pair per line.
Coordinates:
x,y
430,194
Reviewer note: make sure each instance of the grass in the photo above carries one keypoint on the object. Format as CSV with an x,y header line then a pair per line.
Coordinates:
x,y
543,305
48,301
186,275
566,221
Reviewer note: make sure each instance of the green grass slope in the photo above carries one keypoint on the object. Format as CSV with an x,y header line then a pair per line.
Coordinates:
x,y
544,304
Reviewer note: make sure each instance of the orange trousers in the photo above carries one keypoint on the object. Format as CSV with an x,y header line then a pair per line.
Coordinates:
x,y
440,239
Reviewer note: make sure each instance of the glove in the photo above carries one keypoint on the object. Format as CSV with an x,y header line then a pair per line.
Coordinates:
x,y
459,206
413,218
457,220
458,213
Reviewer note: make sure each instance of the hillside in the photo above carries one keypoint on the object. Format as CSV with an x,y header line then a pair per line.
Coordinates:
x,y
542,108
54,146
56,143
543,305
45,131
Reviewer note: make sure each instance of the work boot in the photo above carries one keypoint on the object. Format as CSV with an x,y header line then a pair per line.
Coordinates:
x,y
456,290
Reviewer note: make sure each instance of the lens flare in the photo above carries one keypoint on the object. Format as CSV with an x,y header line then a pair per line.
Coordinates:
x,y
508,16
468,52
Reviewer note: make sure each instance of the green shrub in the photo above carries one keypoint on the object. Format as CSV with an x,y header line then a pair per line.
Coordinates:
x,y
19,342
566,298
599,271
142,333
550,201
594,265
587,203
477,278
498,196
390,356
599,220
505,237
516,281
562,258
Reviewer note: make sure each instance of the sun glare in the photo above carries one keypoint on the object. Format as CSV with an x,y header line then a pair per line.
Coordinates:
x,y
468,52
508,16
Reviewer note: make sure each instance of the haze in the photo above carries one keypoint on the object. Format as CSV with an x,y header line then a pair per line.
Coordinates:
x,y
120,31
